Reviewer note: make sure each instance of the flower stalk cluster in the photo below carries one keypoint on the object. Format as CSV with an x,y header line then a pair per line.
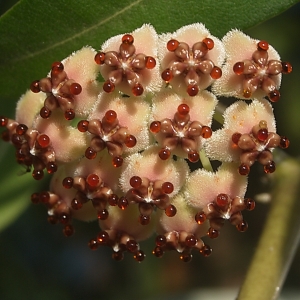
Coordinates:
x,y
122,151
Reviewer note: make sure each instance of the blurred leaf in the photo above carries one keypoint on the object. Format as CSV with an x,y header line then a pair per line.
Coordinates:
x,y
15,190
34,33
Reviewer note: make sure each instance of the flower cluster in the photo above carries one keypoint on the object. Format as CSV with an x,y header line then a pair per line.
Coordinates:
x,y
122,151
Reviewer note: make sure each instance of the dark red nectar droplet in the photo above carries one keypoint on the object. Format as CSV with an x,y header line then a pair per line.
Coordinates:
x,y
75,89
286,67
262,134
155,127
158,251
43,141
186,256
51,167
200,217
83,125
164,154
137,90
38,174
244,169
132,246
167,187
172,45
35,199
270,167
216,73
192,90
242,227
123,203
102,237
150,62
3,121
167,75
93,180
45,112
130,141
274,95
160,240
35,86
206,251
171,211
117,161
118,256
284,142
102,214
193,156
263,45
99,58
144,220
67,182
21,129
249,203
213,233
139,256
190,240
93,245
209,43
57,67
183,109
69,114
135,181
76,204
90,153
222,200
68,230
206,132
110,116
108,86
127,39
238,68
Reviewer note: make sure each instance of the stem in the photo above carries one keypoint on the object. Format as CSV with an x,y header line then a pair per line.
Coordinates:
x,y
279,239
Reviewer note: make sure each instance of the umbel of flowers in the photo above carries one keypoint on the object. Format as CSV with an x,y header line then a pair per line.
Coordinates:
x,y
121,151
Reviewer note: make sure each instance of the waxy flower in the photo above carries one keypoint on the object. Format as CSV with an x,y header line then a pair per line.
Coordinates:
x,y
248,135
190,58
134,153
252,70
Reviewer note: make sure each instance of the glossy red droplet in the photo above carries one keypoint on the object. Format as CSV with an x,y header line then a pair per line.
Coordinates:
x,y
167,187
76,204
99,58
75,89
164,154
135,181
274,95
200,217
51,167
213,233
160,240
206,251
117,161
90,153
172,45
206,132
216,73
132,245
110,116
108,86
183,109
155,127
192,90
286,67
123,203
102,237
35,86
93,180
38,174
150,62
69,114
262,134
249,203
244,169
186,256
21,129
263,45
127,39
83,125
236,137
102,214
222,200
191,240
193,156
93,245
167,75
3,121
139,256
284,142
130,141
43,141
68,230
209,43
242,227
137,90
57,67
144,219
45,112
238,68
270,167
171,211
67,182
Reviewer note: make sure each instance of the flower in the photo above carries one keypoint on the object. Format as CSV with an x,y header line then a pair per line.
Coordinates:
x,y
248,134
252,70
134,154
190,58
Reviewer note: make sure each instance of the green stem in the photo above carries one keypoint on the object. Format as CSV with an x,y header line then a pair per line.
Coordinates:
x,y
279,239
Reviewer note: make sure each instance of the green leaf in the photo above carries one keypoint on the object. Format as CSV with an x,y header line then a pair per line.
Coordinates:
x,y
34,33
15,190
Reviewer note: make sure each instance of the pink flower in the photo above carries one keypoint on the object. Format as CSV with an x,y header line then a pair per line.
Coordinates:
x,y
252,69
190,58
